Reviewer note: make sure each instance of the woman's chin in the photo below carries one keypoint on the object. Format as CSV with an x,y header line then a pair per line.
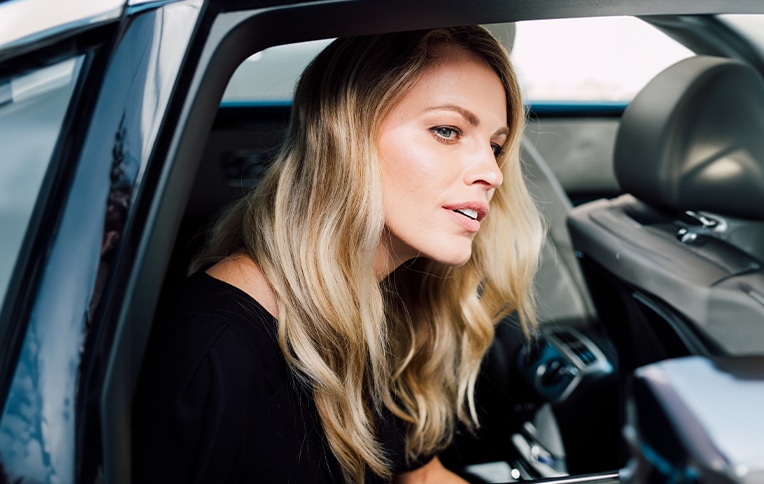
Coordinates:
x,y
455,259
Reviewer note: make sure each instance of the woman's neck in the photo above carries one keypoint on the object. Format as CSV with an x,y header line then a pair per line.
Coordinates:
x,y
240,271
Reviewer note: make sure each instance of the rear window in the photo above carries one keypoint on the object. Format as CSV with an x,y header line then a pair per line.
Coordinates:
x,y
606,59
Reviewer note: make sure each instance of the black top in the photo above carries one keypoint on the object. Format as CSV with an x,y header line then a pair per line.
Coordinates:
x,y
217,403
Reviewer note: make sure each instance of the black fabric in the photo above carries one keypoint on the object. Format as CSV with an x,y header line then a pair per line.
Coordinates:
x,y
217,403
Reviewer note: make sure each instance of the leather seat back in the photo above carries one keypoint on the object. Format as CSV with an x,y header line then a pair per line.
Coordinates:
x,y
559,284
675,265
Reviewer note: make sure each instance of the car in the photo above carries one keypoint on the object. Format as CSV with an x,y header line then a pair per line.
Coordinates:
x,y
126,125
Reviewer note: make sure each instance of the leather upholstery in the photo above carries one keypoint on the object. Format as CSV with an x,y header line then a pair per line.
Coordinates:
x,y
675,266
693,139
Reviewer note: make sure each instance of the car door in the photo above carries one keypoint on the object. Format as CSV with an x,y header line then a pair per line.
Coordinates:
x,y
83,105
44,105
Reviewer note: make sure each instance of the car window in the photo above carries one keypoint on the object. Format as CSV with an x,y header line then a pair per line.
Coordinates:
x,y
270,76
32,109
751,27
607,59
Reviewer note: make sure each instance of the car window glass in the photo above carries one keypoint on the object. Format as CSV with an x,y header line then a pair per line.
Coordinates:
x,y
32,109
607,59
749,26
587,59
270,76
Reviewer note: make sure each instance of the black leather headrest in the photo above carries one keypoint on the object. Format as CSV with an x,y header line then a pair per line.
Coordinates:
x,y
693,139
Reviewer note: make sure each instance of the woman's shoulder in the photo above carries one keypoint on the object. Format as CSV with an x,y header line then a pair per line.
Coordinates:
x,y
204,294
213,383
205,315
242,272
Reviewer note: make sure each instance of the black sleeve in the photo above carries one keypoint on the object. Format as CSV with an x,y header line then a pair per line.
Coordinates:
x,y
196,386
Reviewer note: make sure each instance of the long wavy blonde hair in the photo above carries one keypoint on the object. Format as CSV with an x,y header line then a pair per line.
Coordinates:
x,y
413,342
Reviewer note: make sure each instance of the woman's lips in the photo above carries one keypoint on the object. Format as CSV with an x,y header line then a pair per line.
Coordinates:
x,y
468,215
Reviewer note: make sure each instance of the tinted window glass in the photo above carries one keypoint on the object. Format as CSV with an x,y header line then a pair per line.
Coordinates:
x,y
32,109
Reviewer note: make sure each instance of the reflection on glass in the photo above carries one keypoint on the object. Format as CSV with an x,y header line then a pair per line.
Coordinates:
x,y
32,108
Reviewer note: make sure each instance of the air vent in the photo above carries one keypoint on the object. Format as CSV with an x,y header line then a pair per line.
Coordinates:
x,y
576,346
566,337
584,354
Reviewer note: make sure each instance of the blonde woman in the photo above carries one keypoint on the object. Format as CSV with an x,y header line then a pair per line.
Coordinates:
x,y
335,329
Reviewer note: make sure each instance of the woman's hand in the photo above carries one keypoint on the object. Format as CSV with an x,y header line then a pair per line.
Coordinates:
x,y
432,472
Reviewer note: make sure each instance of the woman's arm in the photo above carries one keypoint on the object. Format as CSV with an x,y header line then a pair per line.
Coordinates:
x,y
432,472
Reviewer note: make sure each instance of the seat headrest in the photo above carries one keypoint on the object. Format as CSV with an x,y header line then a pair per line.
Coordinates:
x,y
693,139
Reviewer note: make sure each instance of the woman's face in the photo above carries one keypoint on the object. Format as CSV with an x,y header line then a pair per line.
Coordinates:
x,y
438,150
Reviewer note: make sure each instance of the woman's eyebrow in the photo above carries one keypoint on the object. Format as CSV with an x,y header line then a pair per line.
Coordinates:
x,y
502,131
468,115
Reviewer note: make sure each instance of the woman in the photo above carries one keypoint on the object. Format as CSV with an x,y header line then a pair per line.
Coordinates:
x,y
336,327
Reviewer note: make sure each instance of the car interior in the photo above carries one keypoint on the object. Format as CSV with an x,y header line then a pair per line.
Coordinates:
x,y
549,406
646,365
673,256
612,268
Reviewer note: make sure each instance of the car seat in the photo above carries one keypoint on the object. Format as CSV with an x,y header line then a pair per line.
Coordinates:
x,y
674,266
563,296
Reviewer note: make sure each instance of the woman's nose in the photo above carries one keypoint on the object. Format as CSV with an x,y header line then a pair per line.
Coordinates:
x,y
484,170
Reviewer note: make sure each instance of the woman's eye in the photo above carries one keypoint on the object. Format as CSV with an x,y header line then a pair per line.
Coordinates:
x,y
446,133
498,150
